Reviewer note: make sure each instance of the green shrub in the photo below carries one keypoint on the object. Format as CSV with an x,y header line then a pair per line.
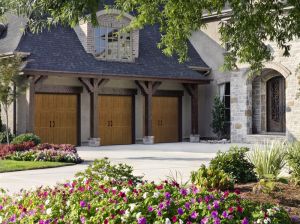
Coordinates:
x,y
28,137
293,160
218,123
235,163
3,138
210,178
268,160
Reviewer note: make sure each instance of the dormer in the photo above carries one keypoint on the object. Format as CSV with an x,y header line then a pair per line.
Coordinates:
x,y
105,41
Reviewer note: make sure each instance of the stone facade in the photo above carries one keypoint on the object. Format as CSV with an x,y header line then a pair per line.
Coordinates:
x,y
248,95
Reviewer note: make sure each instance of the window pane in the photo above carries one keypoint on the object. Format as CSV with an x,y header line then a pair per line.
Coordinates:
x,y
124,47
227,88
112,52
227,101
100,41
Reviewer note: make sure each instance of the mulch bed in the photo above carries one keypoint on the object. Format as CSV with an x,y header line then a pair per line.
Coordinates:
x,y
287,196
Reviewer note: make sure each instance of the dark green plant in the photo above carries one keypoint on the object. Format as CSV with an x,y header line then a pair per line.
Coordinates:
x,y
218,123
3,137
293,160
234,162
211,179
28,137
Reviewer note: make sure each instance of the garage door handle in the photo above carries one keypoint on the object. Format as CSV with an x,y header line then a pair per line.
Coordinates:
x,y
111,123
50,124
53,123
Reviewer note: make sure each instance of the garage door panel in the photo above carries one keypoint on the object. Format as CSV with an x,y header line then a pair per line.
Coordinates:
x,y
56,118
165,119
115,120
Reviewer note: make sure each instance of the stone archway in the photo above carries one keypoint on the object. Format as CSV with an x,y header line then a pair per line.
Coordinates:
x,y
268,103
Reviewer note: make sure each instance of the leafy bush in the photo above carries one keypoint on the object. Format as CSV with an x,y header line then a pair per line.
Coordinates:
x,y
293,159
3,138
28,137
234,162
210,178
218,123
95,197
268,160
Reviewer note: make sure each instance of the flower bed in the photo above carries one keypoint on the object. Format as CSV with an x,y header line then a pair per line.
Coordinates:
x,y
111,194
43,152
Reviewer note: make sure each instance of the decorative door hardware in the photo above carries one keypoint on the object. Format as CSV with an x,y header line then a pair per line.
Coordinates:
x,y
52,124
109,123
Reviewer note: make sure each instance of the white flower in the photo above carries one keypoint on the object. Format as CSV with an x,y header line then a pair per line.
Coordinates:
x,y
68,203
156,194
132,207
48,211
47,202
114,188
145,195
267,220
168,221
127,213
106,178
258,221
1,219
138,215
125,190
180,221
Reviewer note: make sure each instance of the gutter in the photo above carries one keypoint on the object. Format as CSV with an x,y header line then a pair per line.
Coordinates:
x,y
206,70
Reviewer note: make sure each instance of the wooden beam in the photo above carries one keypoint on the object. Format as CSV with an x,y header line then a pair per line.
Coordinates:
x,y
87,83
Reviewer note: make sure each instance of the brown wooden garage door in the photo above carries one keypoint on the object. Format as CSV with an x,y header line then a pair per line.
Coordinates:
x,y
56,118
115,120
165,119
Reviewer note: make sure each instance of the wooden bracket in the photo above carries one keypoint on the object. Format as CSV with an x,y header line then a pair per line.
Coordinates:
x,y
192,89
148,87
93,85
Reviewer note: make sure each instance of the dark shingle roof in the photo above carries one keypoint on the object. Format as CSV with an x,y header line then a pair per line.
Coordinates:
x,y
10,38
61,50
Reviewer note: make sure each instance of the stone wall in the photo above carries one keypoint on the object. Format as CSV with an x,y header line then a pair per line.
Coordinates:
x,y
246,119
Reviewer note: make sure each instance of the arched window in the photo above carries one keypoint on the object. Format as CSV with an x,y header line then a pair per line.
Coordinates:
x,y
111,44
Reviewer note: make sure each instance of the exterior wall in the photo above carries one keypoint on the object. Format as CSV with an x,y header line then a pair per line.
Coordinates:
x,y
23,106
85,31
207,44
245,119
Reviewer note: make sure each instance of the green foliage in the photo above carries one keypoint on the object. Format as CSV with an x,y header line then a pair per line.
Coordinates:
x,y
266,186
235,163
268,160
12,84
210,178
28,137
293,159
251,23
3,137
218,123
103,169
97,196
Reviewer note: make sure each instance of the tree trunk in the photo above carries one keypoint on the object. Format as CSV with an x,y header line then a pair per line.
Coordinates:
x,y
6,129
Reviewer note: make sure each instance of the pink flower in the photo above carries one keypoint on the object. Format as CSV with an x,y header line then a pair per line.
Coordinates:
x,y
245,221
204,220
174,218
194,215
82,204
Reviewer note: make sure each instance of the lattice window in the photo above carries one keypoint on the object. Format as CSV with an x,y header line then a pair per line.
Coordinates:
x,y
275,99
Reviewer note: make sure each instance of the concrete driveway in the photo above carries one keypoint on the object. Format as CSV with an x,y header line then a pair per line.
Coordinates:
x,y
154,162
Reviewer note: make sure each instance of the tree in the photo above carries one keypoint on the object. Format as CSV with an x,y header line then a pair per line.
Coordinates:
x,y
218,122
12,84
252,22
